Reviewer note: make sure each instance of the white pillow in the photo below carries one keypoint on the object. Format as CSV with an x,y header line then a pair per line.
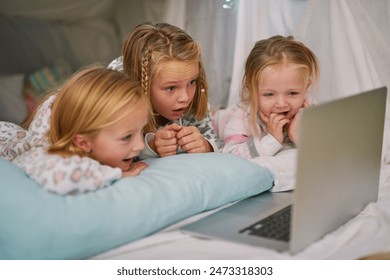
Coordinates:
x,y
12,104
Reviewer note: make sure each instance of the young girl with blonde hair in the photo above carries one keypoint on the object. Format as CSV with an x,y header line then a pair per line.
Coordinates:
x,y
167,63
279,74
84,136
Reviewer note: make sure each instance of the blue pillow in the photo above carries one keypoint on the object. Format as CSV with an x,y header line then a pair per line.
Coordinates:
x,y
36,224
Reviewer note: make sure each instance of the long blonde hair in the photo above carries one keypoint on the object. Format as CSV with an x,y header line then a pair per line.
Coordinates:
x,y
86,104
149,45
274,51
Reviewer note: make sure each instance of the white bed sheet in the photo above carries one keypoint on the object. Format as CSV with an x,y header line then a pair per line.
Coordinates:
x,y
363,235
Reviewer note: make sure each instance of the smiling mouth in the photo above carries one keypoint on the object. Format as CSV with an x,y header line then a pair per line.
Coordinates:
x,y
127,160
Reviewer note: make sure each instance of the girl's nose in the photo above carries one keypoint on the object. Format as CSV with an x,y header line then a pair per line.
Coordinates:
x,y
139,143
281,101
183,96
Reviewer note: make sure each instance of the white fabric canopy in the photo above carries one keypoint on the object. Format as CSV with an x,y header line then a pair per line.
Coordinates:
x,y
350,38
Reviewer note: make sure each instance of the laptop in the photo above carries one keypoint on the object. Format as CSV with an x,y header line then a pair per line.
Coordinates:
x,y
337,175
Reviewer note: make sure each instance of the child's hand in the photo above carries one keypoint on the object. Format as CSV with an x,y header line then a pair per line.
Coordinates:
x,y
165,141
135,169
292,129
275,124
293,126
192,141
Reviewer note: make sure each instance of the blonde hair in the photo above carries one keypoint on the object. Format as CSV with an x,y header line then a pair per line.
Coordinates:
x,y
149,45
276,50
87,103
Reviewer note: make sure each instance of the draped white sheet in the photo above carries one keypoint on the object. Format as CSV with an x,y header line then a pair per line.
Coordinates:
x,y
214,26
350,38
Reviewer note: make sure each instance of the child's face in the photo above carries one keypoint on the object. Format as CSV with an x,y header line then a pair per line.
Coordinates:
x,y
282,90
117,144
173,89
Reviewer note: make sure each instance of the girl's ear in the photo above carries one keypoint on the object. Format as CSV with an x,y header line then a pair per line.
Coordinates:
x,y
82,142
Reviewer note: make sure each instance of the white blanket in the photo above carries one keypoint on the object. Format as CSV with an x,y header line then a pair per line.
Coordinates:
x,y
283,167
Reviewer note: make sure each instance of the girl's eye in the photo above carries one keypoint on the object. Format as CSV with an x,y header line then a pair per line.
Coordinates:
x,y
267,94
193,82
293,93
170,89
127,137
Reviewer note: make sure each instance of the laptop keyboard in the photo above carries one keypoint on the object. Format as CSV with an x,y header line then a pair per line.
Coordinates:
x,y
276,226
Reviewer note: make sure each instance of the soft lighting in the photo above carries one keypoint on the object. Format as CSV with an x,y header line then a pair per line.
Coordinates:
x,y
229,4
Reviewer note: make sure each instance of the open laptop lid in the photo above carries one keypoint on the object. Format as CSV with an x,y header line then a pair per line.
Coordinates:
x,y
351,158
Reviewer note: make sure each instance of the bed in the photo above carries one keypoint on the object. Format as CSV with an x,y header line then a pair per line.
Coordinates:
x,y
37,225
365,236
